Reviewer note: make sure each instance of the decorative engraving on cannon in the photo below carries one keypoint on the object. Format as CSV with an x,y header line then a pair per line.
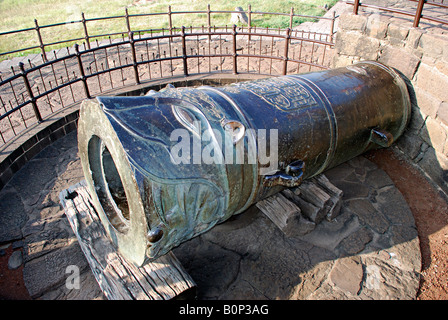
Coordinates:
x,y
284,93
169,166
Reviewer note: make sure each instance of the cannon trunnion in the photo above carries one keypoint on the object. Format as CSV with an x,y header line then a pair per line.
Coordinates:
x,y
170,165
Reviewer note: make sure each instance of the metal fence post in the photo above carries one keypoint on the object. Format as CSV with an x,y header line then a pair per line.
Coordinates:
x,y
41,43
285,59
128,24
86,34
418,13
81,72
355,6
209,23
249,20
184,52
291,17
235,62
333,19
170,22
30,92
134,57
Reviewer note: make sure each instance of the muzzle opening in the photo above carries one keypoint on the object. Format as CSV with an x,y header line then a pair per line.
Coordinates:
x,y
108,185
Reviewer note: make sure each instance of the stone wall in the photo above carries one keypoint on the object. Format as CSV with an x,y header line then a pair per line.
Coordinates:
x,y
422,56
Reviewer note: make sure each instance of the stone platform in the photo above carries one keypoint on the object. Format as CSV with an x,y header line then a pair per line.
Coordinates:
x,y
370,251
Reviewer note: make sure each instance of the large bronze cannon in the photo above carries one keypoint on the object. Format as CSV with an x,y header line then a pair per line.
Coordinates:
x,y
170,165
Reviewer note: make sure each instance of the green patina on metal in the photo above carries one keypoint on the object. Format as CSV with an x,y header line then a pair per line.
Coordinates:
x,y
152,195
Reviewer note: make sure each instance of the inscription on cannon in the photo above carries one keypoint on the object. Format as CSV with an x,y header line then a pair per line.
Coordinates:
x,y
285,93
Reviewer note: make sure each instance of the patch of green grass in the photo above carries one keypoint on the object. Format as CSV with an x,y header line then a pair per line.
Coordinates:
x,y
20,14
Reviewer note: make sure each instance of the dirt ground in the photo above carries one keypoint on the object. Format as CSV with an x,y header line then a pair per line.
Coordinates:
x,y
12,286
430,211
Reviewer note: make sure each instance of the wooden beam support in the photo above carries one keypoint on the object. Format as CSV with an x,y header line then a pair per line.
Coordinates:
x,y
296,211
162,279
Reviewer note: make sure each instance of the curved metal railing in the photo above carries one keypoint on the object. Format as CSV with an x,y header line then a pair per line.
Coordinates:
x,y
33,91
415,12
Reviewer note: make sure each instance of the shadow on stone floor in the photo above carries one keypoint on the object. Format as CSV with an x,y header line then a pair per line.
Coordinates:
x,y
35,220
369,248
416,146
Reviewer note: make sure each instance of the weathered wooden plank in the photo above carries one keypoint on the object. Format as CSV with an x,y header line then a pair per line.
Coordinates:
x,y
333,206
284,210
298,210
318,198
162,279
285,214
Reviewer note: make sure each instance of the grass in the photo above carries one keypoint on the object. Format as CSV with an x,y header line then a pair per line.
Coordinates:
x,y
20,14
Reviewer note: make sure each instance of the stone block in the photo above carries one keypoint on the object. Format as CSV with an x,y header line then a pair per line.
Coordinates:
x,y
15,260
368,48
239,16
30,181
432,45
357,45
376,27
401,59
29,143
445,148
434,134
432,81
352,189
436,166
410,144
368,215
430,61
391,202
5,176
427,102
12,217
356,242
345,43
413,38
378,179
347,274
423,148
441,66
445,53
18,164
417,121
342,61
349,21
397,34
442,113
49,270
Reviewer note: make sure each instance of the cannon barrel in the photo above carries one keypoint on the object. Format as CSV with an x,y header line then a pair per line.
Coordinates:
x,y
168,166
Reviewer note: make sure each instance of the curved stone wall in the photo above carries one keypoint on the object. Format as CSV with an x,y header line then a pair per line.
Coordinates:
x,y
421,55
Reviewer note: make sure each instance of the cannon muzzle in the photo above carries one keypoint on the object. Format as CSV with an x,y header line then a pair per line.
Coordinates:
x,y
168,166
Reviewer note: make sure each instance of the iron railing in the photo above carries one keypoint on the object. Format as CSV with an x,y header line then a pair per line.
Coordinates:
x,y
417,13
32,93
126,20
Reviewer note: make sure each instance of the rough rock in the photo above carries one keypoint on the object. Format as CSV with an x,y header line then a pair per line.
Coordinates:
x,y
240,16
15,260
347,274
